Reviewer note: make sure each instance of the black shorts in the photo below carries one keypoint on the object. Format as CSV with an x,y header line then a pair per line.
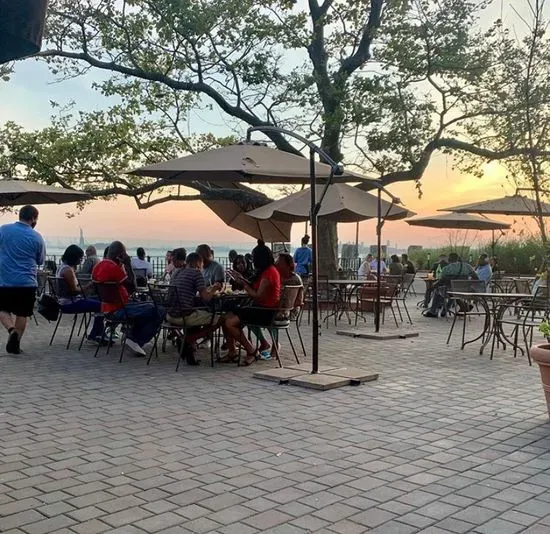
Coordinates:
x,y
18,300
256,316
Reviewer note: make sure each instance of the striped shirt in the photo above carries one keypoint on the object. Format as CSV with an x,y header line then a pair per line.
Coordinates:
x,y
188,282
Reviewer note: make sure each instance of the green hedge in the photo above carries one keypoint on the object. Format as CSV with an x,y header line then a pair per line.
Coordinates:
x,y
514,257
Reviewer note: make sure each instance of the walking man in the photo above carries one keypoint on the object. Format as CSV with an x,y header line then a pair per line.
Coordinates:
x,y
22,250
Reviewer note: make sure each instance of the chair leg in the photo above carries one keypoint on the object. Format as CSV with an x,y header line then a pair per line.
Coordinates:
x,y
407,312
399,310
451,331
75,319
56,327
35,319
181,349
154,347
301,340
123,344
394,316
99,344
292,345
87,319
274,345
463,332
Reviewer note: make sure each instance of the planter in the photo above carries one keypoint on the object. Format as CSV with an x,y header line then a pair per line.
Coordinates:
x,y
541,355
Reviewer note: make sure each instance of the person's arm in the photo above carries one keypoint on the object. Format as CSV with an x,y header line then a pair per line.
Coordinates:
x,y
130,280
72,283
205,293
219,274
41,253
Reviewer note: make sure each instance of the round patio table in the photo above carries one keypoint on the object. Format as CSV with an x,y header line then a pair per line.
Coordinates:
x,y
492,303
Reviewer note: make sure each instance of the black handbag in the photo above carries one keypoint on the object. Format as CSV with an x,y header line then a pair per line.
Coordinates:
x,y
48,307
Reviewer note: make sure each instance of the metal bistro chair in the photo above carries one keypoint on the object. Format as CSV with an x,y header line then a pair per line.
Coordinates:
x,y
465,286
367,300
169,298
403,293
281,321
109,293
141,277
528,316
60,289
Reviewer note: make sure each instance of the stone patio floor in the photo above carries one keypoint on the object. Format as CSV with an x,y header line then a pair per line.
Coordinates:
x,y
446,441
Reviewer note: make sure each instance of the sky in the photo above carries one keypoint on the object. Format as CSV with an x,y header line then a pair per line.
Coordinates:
x,y
25,100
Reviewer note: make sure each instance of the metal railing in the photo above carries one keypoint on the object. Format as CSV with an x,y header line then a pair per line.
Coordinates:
x,y
158,263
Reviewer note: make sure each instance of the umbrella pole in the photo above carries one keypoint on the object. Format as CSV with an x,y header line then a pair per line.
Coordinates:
x,y
379,259
357,239
314,267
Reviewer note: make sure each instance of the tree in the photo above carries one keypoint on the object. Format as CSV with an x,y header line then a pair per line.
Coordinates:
x,y
512,106
305,67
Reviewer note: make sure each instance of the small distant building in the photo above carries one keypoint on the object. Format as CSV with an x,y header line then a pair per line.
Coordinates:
x,y
349,251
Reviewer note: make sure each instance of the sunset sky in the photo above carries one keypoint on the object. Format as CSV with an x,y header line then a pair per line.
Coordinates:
x,y
26,97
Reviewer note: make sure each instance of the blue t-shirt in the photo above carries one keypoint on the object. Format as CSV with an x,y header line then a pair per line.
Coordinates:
x,y
22,250
302,259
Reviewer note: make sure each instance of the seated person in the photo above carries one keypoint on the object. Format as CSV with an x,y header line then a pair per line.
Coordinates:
x,y
364,270
408,264
240,266
374,266
186,283
484,270
169,266
454,270
141,264
92,259
145,316
265,290
285,266
396,267
212,271
71,296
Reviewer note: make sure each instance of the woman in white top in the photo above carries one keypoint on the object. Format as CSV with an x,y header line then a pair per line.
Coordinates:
x,y
364,269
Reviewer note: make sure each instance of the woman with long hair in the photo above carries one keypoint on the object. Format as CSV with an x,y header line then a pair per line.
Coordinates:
x,y
71,295
265,292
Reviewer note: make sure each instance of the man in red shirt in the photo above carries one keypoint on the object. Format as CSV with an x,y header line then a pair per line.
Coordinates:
x,y
146,317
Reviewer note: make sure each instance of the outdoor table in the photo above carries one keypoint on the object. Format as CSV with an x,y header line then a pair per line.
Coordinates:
x,y
344,292
492,304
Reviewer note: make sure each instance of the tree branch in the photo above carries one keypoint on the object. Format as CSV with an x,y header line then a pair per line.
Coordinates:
x,y
195,87
363,54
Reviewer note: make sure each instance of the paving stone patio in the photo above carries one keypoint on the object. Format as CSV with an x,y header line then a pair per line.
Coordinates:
x,y
445,441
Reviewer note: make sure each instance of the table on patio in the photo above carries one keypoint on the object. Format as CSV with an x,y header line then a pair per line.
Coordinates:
x,y
344,292
492,303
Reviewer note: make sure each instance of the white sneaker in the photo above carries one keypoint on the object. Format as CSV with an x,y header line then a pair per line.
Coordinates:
x,y
135,348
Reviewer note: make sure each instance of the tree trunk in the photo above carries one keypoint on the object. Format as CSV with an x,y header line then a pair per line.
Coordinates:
x,y
328,247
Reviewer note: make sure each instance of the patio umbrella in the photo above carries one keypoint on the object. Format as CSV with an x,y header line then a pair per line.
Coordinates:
x,y
234,214
15,192
462,221
517,205
21,28
342,203
250,163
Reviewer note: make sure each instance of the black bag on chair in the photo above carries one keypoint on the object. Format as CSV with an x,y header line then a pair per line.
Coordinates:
x,y
48,307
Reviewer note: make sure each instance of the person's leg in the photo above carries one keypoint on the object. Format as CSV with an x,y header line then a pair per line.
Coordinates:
x,y
146,320
8,320
235,332
23,308
20,325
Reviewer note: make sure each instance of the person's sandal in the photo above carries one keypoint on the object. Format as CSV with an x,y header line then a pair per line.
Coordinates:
x,y
249,359
229,358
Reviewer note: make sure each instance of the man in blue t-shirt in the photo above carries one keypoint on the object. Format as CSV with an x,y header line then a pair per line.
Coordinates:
x,y
22,250
302,257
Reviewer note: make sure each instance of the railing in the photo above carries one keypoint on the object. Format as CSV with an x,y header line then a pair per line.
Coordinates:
x,y
158,263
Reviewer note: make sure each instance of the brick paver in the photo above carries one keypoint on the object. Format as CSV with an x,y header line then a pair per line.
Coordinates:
x,y
446,441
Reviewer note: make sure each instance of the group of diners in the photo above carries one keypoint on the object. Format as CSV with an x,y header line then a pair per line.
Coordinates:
x,y
370,267
192,279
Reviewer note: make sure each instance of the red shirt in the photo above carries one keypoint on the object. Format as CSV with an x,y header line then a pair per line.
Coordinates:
x,y
109,271
273,296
